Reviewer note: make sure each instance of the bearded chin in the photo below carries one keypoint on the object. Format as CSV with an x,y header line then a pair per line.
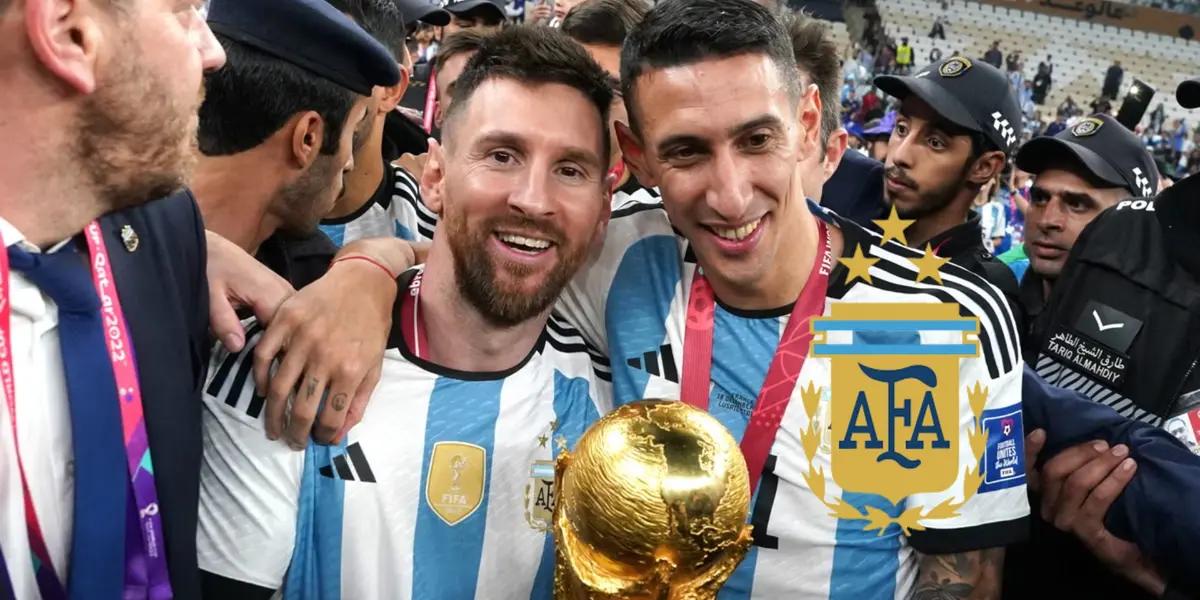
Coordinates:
x,y
136,143
502,304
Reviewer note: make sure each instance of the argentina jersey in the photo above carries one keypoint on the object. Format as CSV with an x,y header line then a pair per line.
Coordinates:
x,y
444,490
396,210
810,536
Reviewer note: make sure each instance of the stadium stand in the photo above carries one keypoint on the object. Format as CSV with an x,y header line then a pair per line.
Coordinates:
x,y
1082,50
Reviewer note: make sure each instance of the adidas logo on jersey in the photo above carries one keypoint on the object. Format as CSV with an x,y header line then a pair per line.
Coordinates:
x,y
660,364
351,466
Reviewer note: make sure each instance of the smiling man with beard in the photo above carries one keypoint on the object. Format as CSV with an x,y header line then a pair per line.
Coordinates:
x,y
99,457
446,482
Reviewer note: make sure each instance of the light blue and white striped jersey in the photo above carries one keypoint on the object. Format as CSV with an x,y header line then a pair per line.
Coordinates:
x,y
445,489
631,303
396,210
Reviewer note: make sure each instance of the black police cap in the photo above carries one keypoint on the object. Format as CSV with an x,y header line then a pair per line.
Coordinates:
x,y
973,95
462,7
1110,153
424,11
310,34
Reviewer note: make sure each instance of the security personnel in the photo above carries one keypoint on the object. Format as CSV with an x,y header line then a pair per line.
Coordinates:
x,y
1122,326
1079,173
958,123
105,331
279,123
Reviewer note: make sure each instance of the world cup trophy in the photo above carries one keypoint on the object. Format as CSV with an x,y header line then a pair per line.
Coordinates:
x,y
652,505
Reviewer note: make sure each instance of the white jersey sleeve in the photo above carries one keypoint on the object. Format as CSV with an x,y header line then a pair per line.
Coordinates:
x,y
994,514
408,211
635,219
249,485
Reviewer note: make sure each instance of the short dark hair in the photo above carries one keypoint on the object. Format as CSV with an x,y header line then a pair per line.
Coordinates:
x,y
682,32
604,22
467,41
535,55
254,95
380,18
817,59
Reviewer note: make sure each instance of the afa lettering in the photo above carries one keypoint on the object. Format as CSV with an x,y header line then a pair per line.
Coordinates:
x,y
862,410
928,424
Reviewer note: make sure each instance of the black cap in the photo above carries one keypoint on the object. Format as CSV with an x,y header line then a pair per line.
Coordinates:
x,y
424,11
462,7
1109,151
1188,93
972,95
310,34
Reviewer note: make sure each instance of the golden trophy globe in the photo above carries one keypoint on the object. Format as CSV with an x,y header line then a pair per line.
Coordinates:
x,y
652,504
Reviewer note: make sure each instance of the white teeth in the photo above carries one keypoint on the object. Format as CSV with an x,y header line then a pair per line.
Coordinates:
x,y
740,233
520,240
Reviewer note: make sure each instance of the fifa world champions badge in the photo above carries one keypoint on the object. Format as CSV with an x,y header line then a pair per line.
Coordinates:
x,y
895,423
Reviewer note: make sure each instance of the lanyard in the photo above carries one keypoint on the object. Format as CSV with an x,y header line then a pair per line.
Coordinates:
x,y
148,578
431,107
785,366
410,319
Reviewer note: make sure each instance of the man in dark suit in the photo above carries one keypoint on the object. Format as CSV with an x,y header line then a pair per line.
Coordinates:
x,y
97,504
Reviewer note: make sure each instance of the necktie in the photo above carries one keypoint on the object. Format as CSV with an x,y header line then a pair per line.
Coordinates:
x,y
97,565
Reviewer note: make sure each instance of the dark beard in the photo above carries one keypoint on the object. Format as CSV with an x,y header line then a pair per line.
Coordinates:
x,y
136,143
303,203
476,274
932,201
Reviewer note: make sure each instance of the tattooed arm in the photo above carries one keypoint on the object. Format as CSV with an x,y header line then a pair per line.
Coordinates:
x,y
975,575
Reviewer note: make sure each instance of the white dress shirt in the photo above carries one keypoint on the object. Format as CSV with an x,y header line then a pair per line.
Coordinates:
x,y
44,430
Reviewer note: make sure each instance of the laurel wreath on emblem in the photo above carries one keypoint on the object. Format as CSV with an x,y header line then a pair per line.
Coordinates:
x,y
910,519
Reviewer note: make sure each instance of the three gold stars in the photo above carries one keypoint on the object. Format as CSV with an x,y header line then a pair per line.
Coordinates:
x,y
893,227
929,266
859,266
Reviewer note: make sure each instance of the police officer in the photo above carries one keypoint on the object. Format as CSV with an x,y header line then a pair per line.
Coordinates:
x,y
1122,326
957,125
1079,173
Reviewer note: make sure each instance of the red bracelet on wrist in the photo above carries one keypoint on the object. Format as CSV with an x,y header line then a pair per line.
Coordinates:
x,y
367,259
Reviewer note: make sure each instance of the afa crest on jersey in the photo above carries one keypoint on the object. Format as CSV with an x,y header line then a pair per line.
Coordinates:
x,y
539,495
455,483
895,408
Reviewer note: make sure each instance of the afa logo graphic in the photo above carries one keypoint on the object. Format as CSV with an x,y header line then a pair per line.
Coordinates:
x,y
895,416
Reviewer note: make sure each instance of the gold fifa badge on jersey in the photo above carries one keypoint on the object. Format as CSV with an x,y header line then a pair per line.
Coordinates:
x,y
954,66
894,412
455,482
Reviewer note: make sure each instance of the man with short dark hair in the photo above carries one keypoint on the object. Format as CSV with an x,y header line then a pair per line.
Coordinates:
x,y
1078,174
816,58
380,199
277,137
454,53
957,125
448,483
601,26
